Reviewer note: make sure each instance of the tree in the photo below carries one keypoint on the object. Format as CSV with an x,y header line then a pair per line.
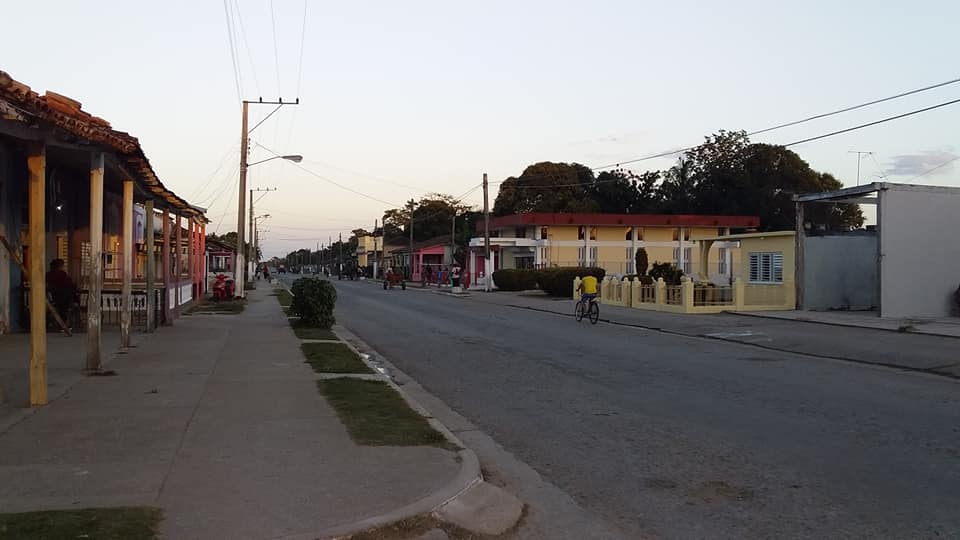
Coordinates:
x,y
625,192
432,216
547,187
230,239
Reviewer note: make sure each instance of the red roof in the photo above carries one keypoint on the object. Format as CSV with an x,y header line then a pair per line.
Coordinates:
x,y
643,220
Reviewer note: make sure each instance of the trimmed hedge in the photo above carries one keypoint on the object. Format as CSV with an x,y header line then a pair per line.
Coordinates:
x,y
559,281
313,302
515,280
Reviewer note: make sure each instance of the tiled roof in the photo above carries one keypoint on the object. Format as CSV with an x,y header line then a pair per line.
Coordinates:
x,y
19,102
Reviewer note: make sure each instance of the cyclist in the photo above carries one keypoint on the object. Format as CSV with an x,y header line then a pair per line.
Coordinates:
x,y
588,290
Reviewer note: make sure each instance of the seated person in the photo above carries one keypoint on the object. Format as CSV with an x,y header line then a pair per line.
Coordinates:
x,y
61,288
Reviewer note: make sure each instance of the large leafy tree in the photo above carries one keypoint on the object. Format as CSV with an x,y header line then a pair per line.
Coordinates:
x,y
432,217
547,187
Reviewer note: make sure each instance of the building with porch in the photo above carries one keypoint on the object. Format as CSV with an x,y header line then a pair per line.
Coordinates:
x,y
429,258
73,188
610,241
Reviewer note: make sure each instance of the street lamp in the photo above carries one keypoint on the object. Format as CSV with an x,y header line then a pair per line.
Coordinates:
x,y
241,266
296,158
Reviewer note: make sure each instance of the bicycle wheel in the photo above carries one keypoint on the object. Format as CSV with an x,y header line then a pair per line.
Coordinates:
x,y
578,311
594,313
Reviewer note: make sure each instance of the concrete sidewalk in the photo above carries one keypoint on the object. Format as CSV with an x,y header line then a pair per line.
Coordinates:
x,y
944,326
908,351
217,421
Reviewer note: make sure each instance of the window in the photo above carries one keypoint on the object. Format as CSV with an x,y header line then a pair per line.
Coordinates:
x,y
544,256
639,233
581,232
593,254
766,267
629,235
676,235
520,232
582,256
544,233
723,261
593,233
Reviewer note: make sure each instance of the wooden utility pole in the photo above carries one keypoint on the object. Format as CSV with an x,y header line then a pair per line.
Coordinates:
x,y
192,258
239,278
486,236
340,262
37,172
410,204
126,294
95,270
453,240
151,266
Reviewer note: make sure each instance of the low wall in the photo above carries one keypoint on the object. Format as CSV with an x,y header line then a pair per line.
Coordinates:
x,y
689,297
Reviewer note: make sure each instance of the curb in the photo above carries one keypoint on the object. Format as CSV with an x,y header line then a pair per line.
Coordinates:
x,y
467,476
841,324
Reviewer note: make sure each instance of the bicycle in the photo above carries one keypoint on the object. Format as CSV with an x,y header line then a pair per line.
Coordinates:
x,y
591,311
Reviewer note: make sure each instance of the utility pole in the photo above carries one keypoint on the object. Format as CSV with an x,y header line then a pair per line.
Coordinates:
x,y
375,261
486,236
340,262
453,241
410,205
860,155
252,257
241,268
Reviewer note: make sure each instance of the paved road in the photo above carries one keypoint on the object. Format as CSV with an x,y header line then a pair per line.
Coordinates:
x,y
679,437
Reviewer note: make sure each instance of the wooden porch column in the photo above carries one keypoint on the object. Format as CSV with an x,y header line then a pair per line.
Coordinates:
x,y
192,258
37,171
177,262
165,260
126,295
95,270
151,266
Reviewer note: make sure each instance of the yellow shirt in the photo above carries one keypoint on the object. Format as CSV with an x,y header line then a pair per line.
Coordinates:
x,y
589,285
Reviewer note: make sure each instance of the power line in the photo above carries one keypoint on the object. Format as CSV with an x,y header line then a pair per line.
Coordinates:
x,y
370,176
883,174
196,193
303,36
243,34
868,124
335,183
788,124
928,171
276,50
809,139
233,56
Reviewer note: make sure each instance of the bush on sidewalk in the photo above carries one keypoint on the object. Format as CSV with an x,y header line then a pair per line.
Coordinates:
x,y
559,281
313,301
510,279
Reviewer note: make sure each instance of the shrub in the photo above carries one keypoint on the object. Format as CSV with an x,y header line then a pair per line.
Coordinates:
x,y
515,280
670,273
313,302
559,281
644,279
956,302
641,261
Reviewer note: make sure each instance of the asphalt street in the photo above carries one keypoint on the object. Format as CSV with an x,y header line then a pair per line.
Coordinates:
x,y
668,436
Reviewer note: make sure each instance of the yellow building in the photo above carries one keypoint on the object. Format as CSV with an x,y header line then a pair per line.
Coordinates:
x,y
368,250
610,241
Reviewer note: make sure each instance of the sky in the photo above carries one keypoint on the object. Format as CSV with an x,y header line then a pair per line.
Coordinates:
x,y
401,99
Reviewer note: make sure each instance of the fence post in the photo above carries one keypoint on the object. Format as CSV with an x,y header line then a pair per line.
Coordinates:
x,y
686,294
635,289
660,293
739,295
576,285
604,292
626,292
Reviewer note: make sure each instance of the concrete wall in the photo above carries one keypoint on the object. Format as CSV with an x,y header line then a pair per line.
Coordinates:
x,y
920,265
840,272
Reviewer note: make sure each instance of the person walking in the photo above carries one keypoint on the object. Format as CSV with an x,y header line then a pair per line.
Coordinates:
x,y
455,274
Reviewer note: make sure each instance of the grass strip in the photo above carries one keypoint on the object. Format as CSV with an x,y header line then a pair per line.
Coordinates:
x,y
121,523
284,297
304,331
333,358
376,415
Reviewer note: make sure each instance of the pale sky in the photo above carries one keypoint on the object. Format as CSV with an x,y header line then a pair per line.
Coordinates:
x,y
403,98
